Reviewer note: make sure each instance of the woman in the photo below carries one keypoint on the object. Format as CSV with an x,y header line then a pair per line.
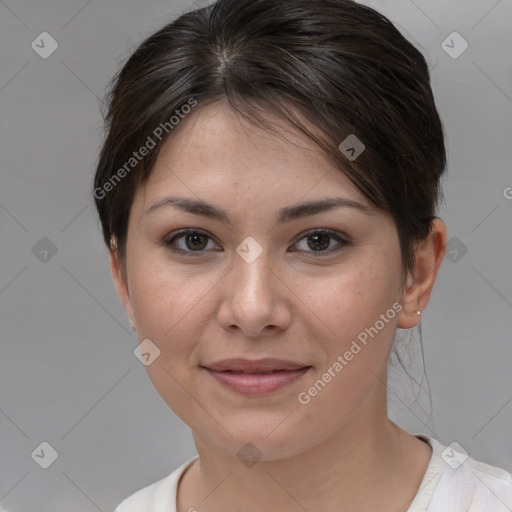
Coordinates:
x,y
267,190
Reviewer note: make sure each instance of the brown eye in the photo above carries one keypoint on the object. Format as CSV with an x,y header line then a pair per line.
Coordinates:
x,y
320,240
195,241
189,241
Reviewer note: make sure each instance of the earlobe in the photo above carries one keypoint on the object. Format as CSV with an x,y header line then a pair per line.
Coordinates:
x,y
429,254
121,284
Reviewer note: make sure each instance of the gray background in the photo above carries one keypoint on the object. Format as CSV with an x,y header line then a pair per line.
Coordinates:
x,y
68,375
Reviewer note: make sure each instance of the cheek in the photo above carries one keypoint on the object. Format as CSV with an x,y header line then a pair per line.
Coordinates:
x,y
167,308
172,306
164,304
159,291
350,299
358,320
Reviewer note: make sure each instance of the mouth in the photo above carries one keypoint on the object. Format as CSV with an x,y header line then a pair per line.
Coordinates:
x,y
256,377
255,372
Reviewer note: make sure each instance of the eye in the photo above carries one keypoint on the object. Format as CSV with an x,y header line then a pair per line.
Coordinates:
x,y
320,240
191,241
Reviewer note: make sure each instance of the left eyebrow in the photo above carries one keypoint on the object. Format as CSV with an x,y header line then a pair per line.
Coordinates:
x,y
286,214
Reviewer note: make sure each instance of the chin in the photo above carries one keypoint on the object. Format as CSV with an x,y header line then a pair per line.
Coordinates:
x,y
260,442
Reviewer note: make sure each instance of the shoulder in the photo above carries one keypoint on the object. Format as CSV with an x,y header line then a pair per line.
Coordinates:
x,y
468,485
159,496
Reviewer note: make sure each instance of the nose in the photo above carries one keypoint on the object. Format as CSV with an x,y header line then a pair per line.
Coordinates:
x,y
255,298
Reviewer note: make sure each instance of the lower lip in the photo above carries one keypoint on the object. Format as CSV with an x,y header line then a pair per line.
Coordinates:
x,y
257,384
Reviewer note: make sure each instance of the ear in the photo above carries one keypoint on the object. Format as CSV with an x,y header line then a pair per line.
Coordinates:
x,y
420,280
121,285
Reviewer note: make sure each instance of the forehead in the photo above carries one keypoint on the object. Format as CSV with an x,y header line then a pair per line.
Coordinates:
x,y
215,147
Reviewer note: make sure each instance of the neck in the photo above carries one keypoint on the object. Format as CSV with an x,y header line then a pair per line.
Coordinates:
x,y
368,463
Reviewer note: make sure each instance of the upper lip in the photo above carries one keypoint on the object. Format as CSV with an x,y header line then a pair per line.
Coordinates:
x,y
254,365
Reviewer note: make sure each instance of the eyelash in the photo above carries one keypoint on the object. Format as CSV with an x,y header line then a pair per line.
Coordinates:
x,y
315,254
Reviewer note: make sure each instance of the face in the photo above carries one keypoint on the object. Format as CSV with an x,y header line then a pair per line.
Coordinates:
x,y
318,286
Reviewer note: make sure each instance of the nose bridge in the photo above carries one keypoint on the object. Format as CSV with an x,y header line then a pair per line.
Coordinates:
x,y
252,273
253,294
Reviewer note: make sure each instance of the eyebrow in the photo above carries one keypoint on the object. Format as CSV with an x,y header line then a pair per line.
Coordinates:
x,y
286,214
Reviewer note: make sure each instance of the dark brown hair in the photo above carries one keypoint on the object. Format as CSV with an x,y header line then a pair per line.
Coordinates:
x,y
340,65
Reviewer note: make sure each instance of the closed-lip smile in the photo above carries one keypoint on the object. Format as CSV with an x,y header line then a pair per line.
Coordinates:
x,y
255,376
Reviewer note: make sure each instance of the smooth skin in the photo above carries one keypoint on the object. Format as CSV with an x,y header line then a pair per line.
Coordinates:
x,y
300,300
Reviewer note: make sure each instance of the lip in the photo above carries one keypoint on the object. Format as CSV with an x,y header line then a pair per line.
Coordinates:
x,y
267,364
255,377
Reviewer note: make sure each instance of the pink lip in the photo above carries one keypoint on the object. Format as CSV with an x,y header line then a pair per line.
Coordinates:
x,y
252,377
266,364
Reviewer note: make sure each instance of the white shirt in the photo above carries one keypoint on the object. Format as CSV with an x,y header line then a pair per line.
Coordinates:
x,y
453,482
